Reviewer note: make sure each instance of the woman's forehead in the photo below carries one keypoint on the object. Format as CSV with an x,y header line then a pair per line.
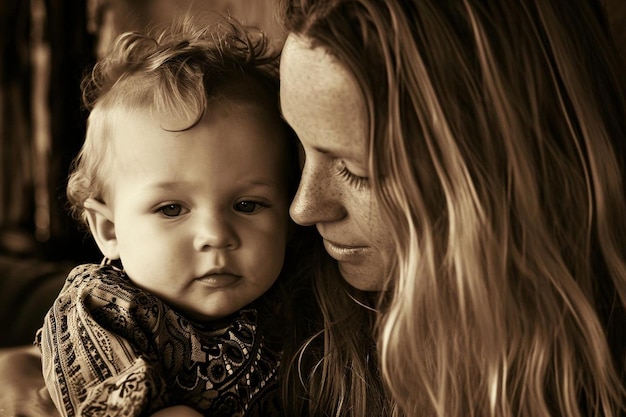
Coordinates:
x,y
319,97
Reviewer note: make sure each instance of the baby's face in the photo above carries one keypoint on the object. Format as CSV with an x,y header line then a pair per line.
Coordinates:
x,y
201,216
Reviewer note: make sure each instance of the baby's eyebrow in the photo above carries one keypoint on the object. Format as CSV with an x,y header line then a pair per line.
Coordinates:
x,y
167,185
262,183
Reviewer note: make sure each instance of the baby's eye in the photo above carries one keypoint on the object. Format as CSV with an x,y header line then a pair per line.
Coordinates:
x,y
171,210
249,206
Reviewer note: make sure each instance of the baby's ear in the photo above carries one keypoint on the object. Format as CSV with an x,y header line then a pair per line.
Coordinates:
x,y
102,226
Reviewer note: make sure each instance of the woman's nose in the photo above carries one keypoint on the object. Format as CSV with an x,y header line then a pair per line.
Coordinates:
x,y
215,232
317,199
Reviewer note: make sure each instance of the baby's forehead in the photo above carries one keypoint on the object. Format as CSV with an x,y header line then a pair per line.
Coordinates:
x,y
236,99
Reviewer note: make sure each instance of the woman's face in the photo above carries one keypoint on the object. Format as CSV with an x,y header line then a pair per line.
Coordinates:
x,y
321,100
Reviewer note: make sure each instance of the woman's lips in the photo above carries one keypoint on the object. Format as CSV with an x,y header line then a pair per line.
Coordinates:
x,y
344,253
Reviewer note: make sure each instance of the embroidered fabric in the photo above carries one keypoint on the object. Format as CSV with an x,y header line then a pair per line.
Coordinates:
x,y
111,349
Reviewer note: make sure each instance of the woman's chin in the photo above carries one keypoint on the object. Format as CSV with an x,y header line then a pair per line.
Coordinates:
x,y
364,276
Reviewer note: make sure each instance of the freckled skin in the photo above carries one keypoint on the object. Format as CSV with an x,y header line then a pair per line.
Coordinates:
x,y
322,102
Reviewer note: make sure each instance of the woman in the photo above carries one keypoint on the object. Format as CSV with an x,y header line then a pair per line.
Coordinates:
x,y
464,158
464,168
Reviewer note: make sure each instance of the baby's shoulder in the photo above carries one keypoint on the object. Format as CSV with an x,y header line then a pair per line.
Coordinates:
x,y
104,297
91,272
93,286
91,277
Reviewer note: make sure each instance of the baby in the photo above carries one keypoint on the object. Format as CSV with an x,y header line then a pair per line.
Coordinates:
x,y
185,177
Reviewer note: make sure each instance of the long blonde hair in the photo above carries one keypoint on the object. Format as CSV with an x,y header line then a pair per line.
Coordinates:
x,y
497,133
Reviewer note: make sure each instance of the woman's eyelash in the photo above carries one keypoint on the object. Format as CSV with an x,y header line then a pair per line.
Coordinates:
x,y
360,183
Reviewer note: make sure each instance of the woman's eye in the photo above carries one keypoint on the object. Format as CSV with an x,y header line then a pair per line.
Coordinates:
x,y
360,183
248,206
171,210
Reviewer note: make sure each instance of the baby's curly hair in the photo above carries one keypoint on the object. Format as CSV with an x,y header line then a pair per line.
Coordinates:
x,y
175,71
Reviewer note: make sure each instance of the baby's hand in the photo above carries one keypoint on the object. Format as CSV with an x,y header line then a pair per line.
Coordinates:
x,y
177,411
